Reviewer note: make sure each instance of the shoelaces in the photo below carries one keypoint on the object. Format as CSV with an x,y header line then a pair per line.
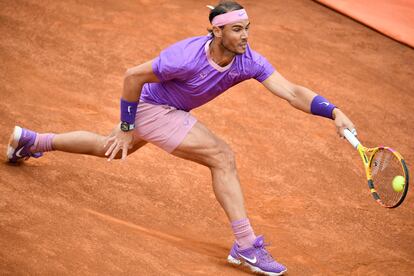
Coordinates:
x,y
263,254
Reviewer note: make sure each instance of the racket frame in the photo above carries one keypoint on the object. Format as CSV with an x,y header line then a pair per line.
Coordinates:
x,y
367,161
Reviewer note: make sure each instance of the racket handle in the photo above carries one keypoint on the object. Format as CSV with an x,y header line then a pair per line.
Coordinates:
x,y
351,138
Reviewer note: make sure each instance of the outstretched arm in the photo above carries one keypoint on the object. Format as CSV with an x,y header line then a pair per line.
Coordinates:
x,y
306,100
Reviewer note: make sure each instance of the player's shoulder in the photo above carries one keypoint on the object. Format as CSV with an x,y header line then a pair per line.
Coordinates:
x,y
186,52
194,41
189,45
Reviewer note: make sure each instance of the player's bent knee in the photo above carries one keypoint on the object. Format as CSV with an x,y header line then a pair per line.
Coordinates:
x,y
225,157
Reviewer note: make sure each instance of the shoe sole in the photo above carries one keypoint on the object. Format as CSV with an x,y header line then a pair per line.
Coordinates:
x,y
254,269
13,143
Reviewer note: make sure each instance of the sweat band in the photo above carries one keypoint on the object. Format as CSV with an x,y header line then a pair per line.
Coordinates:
x,y
322,107
128,111
229,17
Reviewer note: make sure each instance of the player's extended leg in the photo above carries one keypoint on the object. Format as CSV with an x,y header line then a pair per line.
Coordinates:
x,y
85,142
25,143
202,146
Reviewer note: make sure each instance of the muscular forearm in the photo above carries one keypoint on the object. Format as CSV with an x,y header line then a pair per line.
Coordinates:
x,y
302,98
308,101
135,78
132,88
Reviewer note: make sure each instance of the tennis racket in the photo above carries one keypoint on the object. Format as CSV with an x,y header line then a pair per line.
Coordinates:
x,y
386,172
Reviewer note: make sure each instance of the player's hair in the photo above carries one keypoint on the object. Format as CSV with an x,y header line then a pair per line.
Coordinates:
x,y
223,7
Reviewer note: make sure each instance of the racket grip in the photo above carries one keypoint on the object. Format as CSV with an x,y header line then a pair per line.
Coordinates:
x,y
351,138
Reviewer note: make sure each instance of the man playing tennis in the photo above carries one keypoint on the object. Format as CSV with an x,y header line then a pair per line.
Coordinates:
x,y
155,104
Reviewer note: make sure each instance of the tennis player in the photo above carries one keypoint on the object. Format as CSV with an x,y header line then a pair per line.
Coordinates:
x,y
156,101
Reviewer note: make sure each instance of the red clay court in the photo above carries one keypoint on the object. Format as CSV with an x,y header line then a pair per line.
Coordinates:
x,y
62,70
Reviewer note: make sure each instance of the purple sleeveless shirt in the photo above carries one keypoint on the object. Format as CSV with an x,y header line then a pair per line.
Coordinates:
x,y
189,77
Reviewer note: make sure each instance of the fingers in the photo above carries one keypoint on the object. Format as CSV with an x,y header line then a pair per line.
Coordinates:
x,y
115,147
111,148
340,131
114,151
109,139
125,151
342,122
118,141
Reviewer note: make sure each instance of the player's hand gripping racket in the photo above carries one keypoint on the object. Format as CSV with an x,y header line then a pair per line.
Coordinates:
x,y
386,172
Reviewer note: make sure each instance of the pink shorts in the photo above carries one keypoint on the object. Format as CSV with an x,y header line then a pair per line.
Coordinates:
x,y
162,125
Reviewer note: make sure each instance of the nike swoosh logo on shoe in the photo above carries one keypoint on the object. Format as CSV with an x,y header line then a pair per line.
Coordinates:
x,y
253,261
18,152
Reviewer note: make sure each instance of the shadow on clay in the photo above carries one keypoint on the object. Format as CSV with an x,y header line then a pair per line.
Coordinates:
x,y
206,248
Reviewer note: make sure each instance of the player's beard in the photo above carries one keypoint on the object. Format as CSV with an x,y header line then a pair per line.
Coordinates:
x,y
235,52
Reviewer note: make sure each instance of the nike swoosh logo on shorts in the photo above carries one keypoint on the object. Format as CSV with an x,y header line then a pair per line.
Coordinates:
x,y
253,261
18,152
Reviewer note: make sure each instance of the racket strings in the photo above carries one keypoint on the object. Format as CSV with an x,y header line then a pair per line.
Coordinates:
x,y
384,167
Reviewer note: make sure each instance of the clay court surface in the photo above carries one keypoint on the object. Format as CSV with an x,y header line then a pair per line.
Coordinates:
x,y
62,66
